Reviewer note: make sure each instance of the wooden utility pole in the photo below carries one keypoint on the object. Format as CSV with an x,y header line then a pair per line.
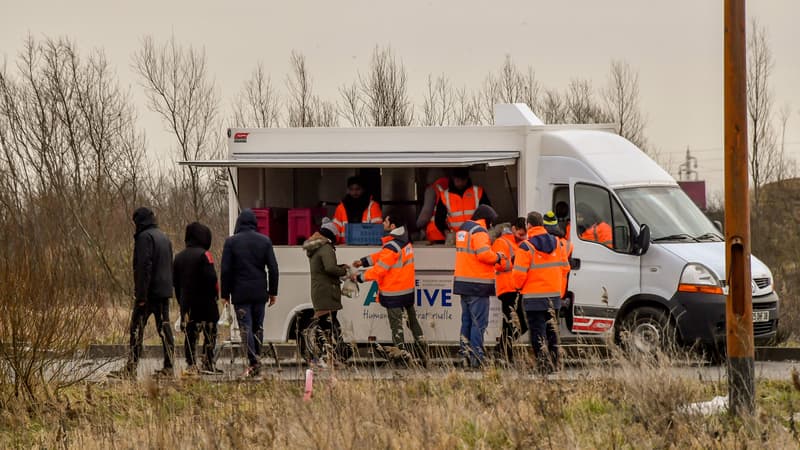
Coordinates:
x,y
739,310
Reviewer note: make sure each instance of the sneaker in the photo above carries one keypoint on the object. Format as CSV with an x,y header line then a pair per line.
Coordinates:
x,y
252,372
191,371
211,371
166,372
126,373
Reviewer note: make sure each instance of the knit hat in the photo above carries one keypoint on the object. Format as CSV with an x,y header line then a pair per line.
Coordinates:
x,y
551,224
550,218
328,229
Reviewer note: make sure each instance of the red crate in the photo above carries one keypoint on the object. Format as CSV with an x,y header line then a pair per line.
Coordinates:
x,y
272,222
303,222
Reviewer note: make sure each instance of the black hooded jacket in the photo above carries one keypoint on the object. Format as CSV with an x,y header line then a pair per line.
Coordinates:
x,y
152,258
194,276
244,257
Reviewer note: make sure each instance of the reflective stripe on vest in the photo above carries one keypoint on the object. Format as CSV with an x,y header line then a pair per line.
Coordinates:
x,y
457,218
544,273
469,268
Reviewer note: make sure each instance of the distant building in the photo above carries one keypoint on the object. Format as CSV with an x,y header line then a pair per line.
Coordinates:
x,y
696,190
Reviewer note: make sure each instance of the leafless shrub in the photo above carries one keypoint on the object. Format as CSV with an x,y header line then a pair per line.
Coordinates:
x,y
439,103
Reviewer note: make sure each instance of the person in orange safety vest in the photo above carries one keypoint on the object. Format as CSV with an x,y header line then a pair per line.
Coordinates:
x,y
393,269
592,228
425,221
508,244
553,228
356,207
456,205
538,272
474,281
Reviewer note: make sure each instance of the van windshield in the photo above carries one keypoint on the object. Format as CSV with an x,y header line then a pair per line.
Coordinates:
x,y
670,214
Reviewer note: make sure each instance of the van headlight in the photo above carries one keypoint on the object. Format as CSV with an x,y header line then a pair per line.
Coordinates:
x,y
697,278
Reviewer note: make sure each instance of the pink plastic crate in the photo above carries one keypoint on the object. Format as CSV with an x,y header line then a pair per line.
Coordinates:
x,y
303,222
272,222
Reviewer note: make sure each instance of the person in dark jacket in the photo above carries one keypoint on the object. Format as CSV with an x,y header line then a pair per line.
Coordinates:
x,y
326,291
196,289
246,284
152,275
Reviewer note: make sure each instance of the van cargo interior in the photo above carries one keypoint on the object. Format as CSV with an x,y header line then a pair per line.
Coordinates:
x,y
400,190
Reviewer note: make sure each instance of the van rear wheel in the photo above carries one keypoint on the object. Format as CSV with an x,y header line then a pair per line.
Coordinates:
x,y
648,331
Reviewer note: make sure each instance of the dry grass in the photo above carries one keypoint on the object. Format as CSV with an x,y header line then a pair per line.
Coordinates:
x,y
631,406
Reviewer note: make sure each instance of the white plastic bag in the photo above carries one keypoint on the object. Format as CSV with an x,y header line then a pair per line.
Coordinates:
x,y
350,289
177,324
225,317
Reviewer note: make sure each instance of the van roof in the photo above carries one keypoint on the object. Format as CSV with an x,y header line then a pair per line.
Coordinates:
x,y
614,159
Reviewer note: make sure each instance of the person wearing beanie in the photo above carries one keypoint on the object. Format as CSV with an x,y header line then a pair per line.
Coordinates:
x,y
356,207
508,243
393,269
538,272
553,228
474,281
326,291
456,205
197,290
247,284
152,277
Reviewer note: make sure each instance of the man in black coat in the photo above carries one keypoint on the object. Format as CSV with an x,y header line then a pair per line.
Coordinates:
x,y
152,275
196,289
245,283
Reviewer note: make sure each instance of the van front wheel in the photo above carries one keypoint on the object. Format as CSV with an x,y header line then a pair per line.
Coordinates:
x,y
648,331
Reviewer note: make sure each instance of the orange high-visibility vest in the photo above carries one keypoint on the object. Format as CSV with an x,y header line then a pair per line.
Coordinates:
x,y
538,274
432,232
372,214
394,272
460,208
474,273
599,232
504,276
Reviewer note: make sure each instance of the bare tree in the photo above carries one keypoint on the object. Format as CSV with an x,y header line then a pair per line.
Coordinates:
x,y
510,85
258,104
554,108
304,108
380,98
179,89
70,155
439,103
466,110
621,97
580,104
765,158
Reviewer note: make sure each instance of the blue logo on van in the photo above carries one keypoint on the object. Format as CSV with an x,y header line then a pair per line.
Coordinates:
x,y
429,297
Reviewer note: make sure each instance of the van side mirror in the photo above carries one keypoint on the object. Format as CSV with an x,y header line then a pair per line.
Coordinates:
x,y
719,226
642,240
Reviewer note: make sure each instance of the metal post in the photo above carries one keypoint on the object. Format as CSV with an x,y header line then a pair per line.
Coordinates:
x,y
739,310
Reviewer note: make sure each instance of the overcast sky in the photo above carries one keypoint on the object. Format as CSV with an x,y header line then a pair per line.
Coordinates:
x,y
676,46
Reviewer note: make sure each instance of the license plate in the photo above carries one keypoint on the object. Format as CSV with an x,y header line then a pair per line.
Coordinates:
x,y
760,316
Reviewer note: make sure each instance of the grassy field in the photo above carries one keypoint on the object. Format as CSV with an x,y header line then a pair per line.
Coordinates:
x,y
445,409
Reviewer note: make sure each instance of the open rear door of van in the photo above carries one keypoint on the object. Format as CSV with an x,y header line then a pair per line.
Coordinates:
x,y
606,270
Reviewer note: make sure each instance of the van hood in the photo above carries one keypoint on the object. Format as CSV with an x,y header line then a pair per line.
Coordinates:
x,y
712,255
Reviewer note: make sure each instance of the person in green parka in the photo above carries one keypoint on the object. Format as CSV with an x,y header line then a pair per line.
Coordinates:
x,y
326,291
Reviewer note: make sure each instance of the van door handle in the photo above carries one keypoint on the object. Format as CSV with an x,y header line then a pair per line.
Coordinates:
x,y
575,263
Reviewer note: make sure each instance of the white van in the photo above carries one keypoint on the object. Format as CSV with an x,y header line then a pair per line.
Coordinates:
x,y
663,275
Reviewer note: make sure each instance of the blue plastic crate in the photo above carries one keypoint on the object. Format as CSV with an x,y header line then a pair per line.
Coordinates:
x,y
363,233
